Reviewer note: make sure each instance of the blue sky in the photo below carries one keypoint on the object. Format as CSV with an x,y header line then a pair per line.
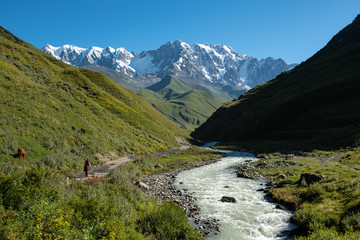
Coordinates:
x,y
290,29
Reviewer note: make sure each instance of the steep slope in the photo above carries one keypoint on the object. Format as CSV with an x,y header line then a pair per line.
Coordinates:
x,y
186,104
212,65
45,103
317,102
133,84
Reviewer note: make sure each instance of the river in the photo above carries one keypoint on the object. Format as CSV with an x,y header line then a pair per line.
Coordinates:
x,y
251,217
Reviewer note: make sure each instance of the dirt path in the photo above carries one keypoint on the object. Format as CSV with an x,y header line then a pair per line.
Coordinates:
x,y
335,158
110,165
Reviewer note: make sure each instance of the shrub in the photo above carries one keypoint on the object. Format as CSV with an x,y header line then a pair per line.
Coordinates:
x,y
315,219
168,222
351,222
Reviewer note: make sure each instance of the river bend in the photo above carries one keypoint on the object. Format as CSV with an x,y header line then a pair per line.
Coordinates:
x,y
251,217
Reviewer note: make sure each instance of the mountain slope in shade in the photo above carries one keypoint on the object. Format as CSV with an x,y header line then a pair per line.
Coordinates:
x,y
186,104
45,103
317,102
197,63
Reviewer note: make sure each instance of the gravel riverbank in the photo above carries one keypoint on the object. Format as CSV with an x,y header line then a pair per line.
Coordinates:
x,y
162,187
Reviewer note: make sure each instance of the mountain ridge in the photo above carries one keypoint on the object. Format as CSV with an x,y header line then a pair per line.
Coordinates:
x,y
315,102
201,63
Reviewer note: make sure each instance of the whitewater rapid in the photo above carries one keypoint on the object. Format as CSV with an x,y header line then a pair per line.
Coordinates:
x,y
251,217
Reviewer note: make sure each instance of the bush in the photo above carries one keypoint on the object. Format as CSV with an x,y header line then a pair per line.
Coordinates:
x,y
168,222
330,234
351,222
315,219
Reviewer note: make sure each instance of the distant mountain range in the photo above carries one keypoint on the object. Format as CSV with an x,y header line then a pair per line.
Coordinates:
x,y
211,65
316,103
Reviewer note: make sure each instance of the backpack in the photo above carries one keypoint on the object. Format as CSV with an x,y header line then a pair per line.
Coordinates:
x,y
88,165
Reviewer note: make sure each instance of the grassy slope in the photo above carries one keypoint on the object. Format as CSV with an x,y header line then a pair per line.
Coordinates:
x,y
316,102
43,98
36,204
185,104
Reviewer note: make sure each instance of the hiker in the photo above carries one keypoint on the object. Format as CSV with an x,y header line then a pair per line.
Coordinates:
x,y
87,167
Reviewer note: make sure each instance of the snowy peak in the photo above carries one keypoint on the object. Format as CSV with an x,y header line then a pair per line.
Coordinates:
x,y
117,59
201,63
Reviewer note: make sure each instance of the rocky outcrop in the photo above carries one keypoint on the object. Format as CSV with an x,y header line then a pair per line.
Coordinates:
x,y
309,178
249,169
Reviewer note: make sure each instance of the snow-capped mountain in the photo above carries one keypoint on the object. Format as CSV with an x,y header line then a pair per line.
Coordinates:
x,y
201,63
116,59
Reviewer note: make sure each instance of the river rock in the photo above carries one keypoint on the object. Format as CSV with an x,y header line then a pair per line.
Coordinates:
x,y
158,165
228,199
280,206
282,176
243,175
142,185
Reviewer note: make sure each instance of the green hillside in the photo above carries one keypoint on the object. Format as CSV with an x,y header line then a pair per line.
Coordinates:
x,y
122,79
186,104
61,116
316,104
43,100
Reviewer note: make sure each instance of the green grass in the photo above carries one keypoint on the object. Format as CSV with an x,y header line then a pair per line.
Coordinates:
x,y
37,203
173,162
188,105
329,209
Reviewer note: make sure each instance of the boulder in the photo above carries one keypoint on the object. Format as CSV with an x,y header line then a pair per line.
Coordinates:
x,y
158,165
282,176
309,178
228,199
243,175
142,185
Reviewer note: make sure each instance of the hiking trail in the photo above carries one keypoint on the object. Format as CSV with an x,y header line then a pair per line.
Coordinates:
x,y
112,161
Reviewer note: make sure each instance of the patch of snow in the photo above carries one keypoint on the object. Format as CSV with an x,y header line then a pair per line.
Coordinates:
x,y
205,73
143,65
222,71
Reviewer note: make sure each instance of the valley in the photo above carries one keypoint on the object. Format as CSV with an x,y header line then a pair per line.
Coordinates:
x,y
210,75
286,138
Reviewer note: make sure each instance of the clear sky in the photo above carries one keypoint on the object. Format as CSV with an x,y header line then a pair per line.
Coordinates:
x,y
291,29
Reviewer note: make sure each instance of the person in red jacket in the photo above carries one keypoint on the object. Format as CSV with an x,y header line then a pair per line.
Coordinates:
x,y
87,167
